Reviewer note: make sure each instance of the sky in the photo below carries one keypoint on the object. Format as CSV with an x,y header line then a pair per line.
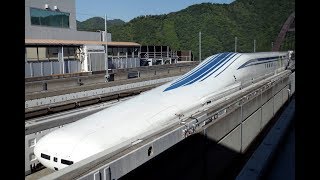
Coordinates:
x,y
129,9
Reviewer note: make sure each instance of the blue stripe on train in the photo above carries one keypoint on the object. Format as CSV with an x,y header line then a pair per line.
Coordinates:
x,y
258,61
221,66
213,63
195,70
213,69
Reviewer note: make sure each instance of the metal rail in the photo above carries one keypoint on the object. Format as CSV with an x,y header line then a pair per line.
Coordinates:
x,y
42,106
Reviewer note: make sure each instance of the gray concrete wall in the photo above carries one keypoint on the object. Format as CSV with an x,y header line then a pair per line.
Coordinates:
x,y
266,95
222,127
266,112
250,107
251,118
292,82
250,129
233,140
213,156
285,94
277,102
37,32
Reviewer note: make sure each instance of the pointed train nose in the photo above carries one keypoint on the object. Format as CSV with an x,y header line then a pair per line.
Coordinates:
x,y
42,155
47,159
65,146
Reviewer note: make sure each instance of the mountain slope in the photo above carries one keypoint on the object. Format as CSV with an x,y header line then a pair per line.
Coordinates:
x,y
97,23
219,24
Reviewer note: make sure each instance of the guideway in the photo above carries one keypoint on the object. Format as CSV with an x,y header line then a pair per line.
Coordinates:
x,y
232,120
63,94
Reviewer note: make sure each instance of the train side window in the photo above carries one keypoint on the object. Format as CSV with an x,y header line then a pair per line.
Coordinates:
x,y
45,156
63,161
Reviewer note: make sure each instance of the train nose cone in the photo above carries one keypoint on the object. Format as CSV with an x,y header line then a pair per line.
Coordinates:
x,y
41,153
57,147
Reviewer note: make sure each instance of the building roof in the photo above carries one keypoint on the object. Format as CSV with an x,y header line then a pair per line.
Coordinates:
x,y
75,42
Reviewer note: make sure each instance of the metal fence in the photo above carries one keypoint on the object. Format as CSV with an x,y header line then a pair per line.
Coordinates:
x,y
45,68
96,61
121,63
44,61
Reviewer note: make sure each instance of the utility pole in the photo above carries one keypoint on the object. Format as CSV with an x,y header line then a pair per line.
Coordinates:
x,y
106,48
235,44
200,46
254,45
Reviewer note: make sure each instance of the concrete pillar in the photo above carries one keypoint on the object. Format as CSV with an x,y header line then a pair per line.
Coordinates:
x,y
62,56
61,60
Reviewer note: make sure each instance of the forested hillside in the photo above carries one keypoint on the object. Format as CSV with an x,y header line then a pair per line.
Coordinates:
x,y
219,24
96,23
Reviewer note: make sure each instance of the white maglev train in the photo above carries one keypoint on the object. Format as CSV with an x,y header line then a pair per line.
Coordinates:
x,y
157,108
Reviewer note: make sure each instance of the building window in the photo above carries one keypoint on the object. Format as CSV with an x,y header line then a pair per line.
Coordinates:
x,y
42,54
49,18
53,53
32,53
136,52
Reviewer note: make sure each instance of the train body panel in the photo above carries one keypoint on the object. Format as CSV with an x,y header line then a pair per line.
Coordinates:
x,y
127,121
